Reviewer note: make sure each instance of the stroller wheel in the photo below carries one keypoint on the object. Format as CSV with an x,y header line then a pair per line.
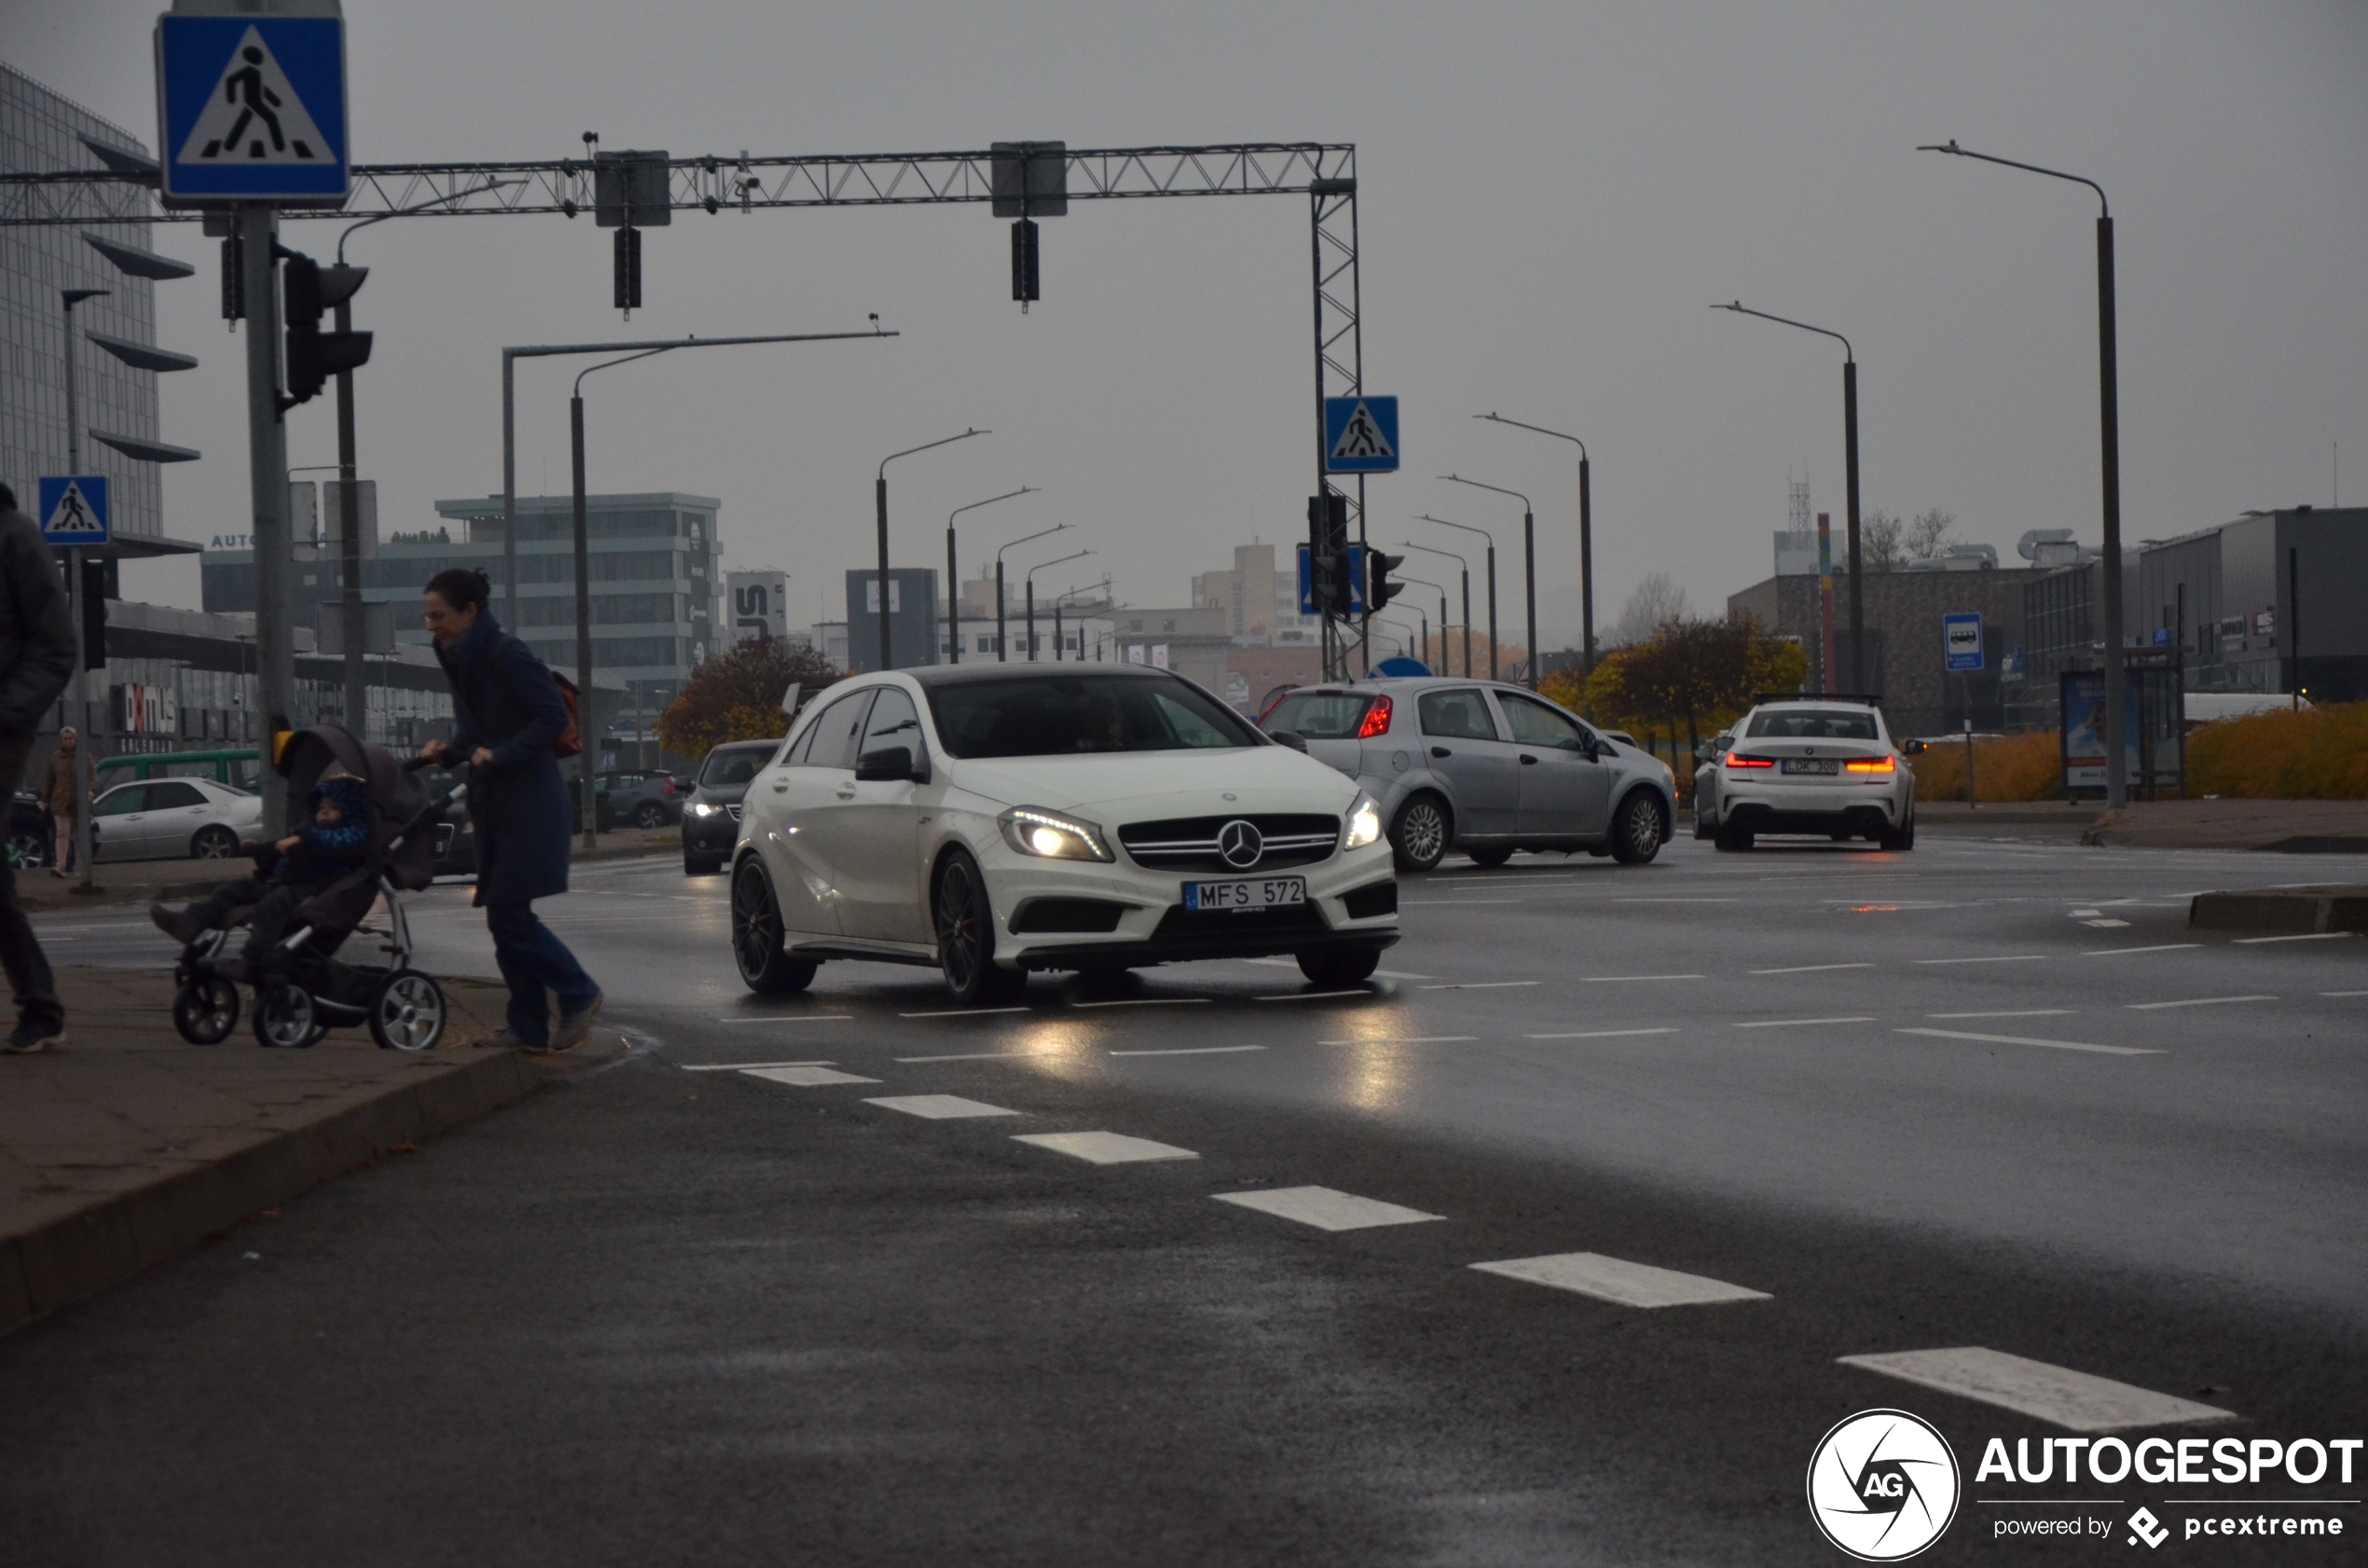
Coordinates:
x,y
285,1019
205,1010
407,1013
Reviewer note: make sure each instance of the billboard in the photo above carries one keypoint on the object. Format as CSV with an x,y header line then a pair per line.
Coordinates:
x,y
2153,741
759,602
911,613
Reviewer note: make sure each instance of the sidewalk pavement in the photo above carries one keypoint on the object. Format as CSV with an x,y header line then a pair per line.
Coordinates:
x,y
129,1146
2295,827
177,881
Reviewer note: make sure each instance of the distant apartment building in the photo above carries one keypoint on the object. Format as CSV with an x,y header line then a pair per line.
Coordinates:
x,y
1260,598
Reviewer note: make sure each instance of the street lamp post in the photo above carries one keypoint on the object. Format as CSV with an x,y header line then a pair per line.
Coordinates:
x,y
1002,644
954,573
1586,538
1443,622
1059,637
2109,448
79,597
1029,579
1850,482
888,658
1467,569
1529,568
1467,527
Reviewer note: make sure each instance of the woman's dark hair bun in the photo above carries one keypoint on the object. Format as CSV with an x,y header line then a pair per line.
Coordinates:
x,y
462,587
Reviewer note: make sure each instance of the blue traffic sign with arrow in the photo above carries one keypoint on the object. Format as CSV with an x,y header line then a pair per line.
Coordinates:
x,y
250,107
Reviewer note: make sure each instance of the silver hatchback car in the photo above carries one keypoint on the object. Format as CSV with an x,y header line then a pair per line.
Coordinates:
x,y
1481,767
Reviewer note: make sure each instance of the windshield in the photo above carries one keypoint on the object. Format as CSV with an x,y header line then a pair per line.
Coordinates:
x,y
1075,715
734,765
1318,715
1814,724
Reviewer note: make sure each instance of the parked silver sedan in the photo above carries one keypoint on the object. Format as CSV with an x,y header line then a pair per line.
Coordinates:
x,y
1481,767
172,819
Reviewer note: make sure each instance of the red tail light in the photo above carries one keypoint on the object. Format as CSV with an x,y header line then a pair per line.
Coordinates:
x,y
665,785
1872,765
1376,720
1734,761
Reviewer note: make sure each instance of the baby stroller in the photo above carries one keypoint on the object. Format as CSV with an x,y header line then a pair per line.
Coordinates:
x,y
304,989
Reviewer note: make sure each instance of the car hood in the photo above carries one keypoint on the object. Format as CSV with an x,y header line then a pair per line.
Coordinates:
x,y
1136,786
720,794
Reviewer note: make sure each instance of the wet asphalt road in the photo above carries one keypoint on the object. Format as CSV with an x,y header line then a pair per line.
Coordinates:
x,y
1992,1093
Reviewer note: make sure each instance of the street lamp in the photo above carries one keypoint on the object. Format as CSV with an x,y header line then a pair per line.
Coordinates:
x,y
2109,445
954,573
79,587
1586,538
888,659
1850,483
1426,582
1060,643
1029,578
1529,568
1002,650
1467,527
1460,562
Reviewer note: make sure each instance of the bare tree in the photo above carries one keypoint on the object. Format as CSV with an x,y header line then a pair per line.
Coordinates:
x,y
1652,604
1928,536
1878,540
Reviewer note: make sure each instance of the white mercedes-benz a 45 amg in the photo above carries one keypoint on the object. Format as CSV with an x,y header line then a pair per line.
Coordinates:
x,y
995,819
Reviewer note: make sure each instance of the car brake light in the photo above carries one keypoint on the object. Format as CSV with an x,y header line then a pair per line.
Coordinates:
x,y
1734,761
666,786
1376,720
1878,765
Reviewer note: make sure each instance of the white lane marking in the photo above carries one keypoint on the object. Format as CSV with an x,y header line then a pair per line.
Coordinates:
x,y
939,1107
742,1066
2077,1401
2194,1001
1385,974
2306,936
805,1077
1326,1209
2025,1012
2017,1040
2344,993
793,1018
2117,952
979,1056
1618,1281
1313,996
2078,912
1810,969
1104,1148
1479,985
1405,1040
1663,900
1458,903
1602,1034
2003,958
962,1012
1146,1001
1615,979
1789,1023
2104,924
1192,1051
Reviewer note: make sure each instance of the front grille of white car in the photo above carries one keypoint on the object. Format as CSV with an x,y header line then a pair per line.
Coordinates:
x,y
1191,843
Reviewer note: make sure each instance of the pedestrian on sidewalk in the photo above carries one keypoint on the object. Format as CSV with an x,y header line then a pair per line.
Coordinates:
x,y
62,798
508,714
36,659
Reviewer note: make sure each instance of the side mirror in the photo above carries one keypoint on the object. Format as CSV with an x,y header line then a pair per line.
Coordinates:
x,y
884,765
1291,739
1914,747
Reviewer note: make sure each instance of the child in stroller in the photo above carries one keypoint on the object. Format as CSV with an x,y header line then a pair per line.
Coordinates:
x,y
372,835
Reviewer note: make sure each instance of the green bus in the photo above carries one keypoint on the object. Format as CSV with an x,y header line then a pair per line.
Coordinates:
x,y
239,769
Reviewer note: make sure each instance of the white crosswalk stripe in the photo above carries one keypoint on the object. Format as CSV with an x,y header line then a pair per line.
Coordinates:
x,y
2076,1401
1618,1281
1326,1208
1104,1148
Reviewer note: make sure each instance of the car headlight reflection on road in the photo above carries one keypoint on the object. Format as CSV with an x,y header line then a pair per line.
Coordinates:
x,y
1364,822
1032,831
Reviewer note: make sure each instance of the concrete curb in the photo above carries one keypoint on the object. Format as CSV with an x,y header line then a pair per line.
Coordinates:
x,y
39,900
83,1252
2293,912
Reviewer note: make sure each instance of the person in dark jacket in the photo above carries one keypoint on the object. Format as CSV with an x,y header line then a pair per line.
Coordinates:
x,y
334,844
507,712
36,659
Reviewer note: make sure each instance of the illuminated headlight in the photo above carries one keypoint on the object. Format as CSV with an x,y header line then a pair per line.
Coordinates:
x,y
1053,837
703,809
1364,824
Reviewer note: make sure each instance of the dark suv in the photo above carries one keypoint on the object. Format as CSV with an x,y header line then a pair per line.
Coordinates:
x,y
644,800
711,820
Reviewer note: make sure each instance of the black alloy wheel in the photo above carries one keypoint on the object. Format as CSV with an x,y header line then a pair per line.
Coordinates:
x,y
649,814
701,865
1636,829
1904,839
1733,839
206,1009
766,967
216,842
965,923
1335,966
1420,836
1490,858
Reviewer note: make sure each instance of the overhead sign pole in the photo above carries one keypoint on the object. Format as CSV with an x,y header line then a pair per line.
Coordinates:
x,y
251,114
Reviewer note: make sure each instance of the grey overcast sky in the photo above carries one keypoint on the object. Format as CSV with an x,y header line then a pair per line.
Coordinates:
x,y
1552,194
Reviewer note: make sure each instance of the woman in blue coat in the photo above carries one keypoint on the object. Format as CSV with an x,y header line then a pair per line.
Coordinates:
x,y
507,712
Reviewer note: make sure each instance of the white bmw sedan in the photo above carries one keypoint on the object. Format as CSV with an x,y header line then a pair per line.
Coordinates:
x,y
995,819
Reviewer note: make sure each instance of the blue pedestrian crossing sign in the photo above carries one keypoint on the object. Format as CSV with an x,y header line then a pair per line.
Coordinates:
x,y
250,107
1962,637
1360,434
73,509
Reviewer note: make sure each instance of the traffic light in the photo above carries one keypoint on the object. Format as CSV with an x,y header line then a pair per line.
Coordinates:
x,y
94,589
1381,590
306,290
1024,279
627,292
1327,553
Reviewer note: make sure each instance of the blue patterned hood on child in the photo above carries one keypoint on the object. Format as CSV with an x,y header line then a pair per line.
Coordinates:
x,y
336,849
